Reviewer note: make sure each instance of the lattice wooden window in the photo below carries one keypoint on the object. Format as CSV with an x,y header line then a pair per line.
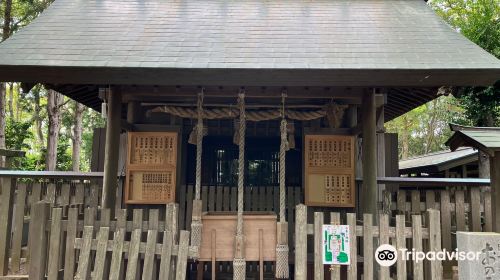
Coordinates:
x,y
151,167
329,170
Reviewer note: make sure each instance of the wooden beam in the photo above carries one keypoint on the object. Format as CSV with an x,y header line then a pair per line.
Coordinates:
x,y
369,193
261,92
113,124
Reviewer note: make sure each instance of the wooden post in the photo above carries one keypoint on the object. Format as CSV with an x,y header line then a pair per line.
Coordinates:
x,y
319,273
381,172
133,112
301,242
6,210
495,190
112,147
38,240
369,193
433,224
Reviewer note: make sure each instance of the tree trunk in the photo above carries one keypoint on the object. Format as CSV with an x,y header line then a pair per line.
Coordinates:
x,y
7,16
484,165
484,158
11,100
77,135
54,103
37,117
405,139
7,19
431,127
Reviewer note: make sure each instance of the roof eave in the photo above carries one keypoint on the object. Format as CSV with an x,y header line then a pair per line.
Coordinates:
x,y
249,76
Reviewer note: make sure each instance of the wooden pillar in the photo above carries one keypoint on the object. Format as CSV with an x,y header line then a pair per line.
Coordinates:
x,y
113,123
380,153
369,189
133,112
495,190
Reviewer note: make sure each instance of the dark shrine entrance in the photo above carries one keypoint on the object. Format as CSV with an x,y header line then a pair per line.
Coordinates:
x,y
220,166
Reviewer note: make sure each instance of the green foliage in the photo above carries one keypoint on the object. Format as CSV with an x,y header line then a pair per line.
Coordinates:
x,y
16,134
479,21
425,128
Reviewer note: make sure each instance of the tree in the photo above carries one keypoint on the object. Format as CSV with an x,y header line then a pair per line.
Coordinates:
x,y
54,103
425,128
479,21
76,138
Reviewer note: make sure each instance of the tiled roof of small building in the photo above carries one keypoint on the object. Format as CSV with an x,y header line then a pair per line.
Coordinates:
x,y
248,42
438,161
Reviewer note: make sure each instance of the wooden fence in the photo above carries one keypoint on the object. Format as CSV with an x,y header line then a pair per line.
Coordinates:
x,y
55,241
364,240
19,194
461,208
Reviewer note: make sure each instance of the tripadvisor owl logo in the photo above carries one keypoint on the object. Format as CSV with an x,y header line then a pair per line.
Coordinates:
x,y
386,255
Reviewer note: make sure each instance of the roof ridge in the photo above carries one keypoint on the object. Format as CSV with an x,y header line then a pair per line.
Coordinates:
x,y
436,153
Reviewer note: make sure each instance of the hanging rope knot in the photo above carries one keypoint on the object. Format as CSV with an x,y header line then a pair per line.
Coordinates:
x,y
282,261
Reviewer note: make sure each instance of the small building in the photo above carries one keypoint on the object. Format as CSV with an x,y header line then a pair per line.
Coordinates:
x,y
461,163
487,140
216,97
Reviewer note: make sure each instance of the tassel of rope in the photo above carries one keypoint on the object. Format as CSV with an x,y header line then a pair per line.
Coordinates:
x,y
282,233
239,265
196,224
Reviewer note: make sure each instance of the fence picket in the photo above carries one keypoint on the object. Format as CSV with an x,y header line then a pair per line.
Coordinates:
x,y
84,258
418,267
166,254
149,256
460,210
69,256
488,220
301,242
352,270
335,272
133,254
400,244
17,227
116,258
319,273
101,250
182,255
446,218
38,240
368,246
54,243
475,211
384,239
6,209
436,268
